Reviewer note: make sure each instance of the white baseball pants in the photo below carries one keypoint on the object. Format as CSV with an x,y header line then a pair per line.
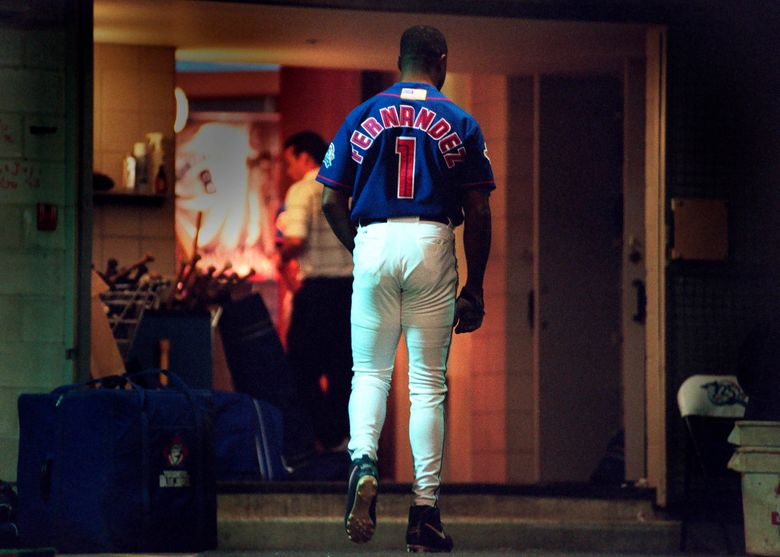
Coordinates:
x,y
405,278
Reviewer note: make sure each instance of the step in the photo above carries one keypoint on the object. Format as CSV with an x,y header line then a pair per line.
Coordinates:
x,y
310,520
289,505
311,533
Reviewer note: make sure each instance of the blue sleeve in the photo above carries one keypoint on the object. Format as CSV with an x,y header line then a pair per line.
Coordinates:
x,y
338,167
477,171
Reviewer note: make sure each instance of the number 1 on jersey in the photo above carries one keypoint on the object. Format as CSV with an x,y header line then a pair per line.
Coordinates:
x,y
405,148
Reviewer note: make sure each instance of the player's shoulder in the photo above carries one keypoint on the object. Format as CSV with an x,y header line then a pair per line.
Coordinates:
x,y
359,112
456,111
464,114
465,120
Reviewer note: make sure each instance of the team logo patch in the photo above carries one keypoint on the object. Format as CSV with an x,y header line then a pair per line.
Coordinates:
x,y
329,156
725,393
412,94
175,454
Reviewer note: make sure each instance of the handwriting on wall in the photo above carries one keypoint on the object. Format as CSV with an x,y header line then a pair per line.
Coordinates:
x,y
6,134
16,175
10,135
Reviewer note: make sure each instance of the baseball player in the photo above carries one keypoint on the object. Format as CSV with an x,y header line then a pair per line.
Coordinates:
x,y
415,166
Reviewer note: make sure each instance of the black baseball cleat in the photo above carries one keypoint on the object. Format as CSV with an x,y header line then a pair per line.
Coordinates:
x,y
360,518
425,533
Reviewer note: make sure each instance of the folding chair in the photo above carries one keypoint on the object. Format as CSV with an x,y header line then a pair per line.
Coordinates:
x,y
709,405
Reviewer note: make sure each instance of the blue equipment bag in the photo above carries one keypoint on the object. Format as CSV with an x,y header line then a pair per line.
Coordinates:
x,y
108,469
259,368
248,437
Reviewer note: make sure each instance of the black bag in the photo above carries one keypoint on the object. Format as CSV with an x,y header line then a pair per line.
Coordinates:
x,y
117,469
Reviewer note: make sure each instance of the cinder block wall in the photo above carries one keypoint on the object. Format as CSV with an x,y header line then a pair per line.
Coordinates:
x,y
36,283
133,96
486,360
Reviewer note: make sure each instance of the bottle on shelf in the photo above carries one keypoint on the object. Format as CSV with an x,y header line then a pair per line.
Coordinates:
x,y
141,167
161,181
156,152
128,173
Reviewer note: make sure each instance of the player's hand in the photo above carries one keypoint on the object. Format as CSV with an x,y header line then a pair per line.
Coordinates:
x,y
469,311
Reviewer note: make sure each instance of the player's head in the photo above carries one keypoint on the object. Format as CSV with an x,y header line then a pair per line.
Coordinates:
x,y
424,49
303,151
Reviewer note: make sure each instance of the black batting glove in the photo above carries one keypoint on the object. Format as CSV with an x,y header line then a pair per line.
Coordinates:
x,y
469,311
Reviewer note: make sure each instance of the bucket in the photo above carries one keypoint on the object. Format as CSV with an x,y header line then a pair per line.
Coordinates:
x,y
760,471
753,433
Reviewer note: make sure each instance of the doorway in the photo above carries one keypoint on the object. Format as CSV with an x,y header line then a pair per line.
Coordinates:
x,y
514,390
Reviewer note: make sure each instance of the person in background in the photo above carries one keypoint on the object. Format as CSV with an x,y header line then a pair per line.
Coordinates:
x,y
318,340
414,165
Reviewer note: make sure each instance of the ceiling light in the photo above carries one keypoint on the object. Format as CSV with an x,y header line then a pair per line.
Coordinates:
x,y
182,109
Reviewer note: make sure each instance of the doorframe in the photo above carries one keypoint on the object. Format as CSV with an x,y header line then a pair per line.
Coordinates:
x,y
633,343
655,237
79,168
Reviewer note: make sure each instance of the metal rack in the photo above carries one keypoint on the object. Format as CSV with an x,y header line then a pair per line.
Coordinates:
x,y
125,305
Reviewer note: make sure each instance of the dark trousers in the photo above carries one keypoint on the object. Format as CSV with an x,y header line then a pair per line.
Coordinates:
x,y
318,344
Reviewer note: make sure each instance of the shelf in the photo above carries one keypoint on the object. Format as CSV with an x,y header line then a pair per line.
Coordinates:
x,y
115,198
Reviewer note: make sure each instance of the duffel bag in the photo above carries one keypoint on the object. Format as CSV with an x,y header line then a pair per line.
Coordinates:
x,y
248,438
110,466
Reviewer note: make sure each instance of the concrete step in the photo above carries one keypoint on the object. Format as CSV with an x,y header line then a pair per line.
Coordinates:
x,y
310,533
287,505
279,520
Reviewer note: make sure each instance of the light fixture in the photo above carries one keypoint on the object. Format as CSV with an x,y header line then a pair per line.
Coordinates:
x,y
182,109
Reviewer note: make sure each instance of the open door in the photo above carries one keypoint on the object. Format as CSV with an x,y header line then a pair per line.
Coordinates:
x,y
634,312
578,275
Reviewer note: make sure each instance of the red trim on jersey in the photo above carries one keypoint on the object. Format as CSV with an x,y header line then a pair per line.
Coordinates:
x,y
485,183
334,182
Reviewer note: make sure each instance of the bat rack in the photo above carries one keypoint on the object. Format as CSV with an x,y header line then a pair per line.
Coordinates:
x,y
126,304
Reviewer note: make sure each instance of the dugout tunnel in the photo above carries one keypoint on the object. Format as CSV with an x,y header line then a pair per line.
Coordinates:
x,y
571,112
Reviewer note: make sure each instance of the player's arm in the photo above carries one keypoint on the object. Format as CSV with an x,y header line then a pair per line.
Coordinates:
x,y
476,243
298,203
291,248
335,205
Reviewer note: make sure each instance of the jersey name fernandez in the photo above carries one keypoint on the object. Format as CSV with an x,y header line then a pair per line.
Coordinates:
x,y
404,116
408,151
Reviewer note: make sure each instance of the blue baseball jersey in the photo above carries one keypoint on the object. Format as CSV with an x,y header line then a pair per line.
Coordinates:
x,y
408,151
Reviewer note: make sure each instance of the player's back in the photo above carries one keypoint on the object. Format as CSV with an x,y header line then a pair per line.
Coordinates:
x,y
411,151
